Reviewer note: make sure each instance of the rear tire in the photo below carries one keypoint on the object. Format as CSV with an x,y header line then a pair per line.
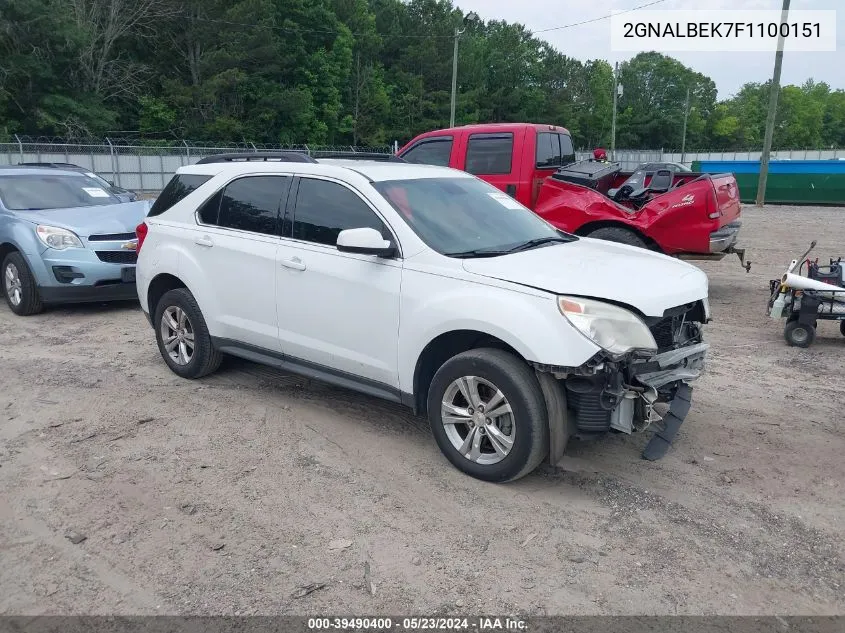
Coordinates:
x,y
512,442
798,334
619,235
182,335
19,286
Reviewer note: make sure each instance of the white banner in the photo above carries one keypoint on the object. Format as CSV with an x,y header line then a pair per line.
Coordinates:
x,y
723,31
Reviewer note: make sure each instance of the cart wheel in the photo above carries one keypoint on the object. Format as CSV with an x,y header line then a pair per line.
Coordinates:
x,y
798,334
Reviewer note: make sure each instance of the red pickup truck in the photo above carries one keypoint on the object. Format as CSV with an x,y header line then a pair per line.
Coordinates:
x,y
685,214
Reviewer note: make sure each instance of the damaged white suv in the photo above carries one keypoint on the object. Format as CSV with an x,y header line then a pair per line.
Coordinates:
x,y
425,286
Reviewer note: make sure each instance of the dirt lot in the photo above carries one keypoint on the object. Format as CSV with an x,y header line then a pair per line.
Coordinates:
x,y
225,496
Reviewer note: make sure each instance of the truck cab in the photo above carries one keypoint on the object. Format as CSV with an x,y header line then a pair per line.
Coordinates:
x,y
514,157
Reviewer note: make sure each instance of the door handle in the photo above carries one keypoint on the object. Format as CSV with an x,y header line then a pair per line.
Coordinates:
x,y
204,241
295,263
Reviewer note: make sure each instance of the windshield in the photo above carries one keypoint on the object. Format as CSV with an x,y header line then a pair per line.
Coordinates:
x,y
35,192
466,217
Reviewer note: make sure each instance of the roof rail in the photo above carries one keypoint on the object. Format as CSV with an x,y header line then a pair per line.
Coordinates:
x,y
287,157
387,158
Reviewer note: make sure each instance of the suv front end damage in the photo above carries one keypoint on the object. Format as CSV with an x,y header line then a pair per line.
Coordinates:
x,y
628,394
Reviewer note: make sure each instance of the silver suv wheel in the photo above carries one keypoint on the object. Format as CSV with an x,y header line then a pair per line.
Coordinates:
x,y
478,420
177,335
14,289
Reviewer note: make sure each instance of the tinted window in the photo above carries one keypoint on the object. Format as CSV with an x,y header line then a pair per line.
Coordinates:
x,y
324,209
430,153
567,152
209,211
178,188
52,191
548,151
489,154
252,204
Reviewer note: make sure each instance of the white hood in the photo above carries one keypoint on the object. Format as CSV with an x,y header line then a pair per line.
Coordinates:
x,y
648,281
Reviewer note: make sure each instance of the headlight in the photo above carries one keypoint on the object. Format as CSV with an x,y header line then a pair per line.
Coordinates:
x,y
60,239
613,329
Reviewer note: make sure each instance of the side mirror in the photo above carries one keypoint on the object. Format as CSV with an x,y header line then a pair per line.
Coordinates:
x,y
364,241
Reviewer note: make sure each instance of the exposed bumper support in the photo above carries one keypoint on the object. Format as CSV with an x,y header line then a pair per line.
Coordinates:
x,y
660,442
685,363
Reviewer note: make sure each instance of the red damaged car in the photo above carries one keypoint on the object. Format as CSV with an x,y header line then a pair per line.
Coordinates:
x,y
680,213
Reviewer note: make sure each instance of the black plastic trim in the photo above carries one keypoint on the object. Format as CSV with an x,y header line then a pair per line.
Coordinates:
x,y
310,370
89,294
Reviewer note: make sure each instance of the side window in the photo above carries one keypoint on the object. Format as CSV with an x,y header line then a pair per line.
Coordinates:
x,y
433,152
250,204
548,151
324,209
567,152
489,154
179,187
210,209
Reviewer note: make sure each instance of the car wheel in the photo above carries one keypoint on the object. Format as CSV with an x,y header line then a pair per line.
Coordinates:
x,y
182,335
798,334
488,415
620,235
842,328
19,286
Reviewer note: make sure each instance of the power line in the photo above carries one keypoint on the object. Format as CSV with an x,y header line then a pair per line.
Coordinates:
x,y
412,35
603,17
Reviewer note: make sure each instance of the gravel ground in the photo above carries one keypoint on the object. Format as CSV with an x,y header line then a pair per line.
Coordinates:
x,y
254,492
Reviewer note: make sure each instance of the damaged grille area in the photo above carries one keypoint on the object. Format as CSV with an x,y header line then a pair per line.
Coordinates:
x,y
678,327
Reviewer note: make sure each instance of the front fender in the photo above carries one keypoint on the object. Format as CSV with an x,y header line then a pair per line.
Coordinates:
x,y
528,321
21,235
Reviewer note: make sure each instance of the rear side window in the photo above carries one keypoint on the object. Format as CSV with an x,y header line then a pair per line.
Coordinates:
x,y
489,154
430,152
548,150
179,187
248,204
325,208
554,150
567,152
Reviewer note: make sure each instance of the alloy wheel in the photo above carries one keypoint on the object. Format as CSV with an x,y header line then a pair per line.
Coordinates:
x,y
177,335
478,420
14,289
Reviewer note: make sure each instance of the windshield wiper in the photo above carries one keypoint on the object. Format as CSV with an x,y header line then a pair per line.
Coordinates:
x,y
479,252
539,242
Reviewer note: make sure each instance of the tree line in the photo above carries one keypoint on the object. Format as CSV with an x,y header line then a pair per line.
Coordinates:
x,y
363,72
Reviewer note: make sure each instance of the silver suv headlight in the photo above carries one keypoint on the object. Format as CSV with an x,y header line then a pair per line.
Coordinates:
x,y
58,238
614,329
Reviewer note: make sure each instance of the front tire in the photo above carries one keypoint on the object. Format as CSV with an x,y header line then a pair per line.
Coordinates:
x,y
798,334
619,235
182,335
488,415
19,286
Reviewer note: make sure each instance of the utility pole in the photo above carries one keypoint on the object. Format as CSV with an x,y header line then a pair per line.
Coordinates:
x,y
616,92
773,108
684,139
458,32
469,17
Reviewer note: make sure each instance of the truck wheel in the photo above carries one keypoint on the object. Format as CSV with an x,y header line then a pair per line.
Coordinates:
x,y
19,286
488,415
798,334
618,234
182,335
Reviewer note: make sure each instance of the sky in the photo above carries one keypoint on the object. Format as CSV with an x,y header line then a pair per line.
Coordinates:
x,y
729,70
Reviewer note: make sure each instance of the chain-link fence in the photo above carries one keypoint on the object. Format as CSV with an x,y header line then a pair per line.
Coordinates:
x,y
147,167
141,167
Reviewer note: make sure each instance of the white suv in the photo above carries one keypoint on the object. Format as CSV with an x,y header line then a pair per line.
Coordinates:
x,y
425,286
